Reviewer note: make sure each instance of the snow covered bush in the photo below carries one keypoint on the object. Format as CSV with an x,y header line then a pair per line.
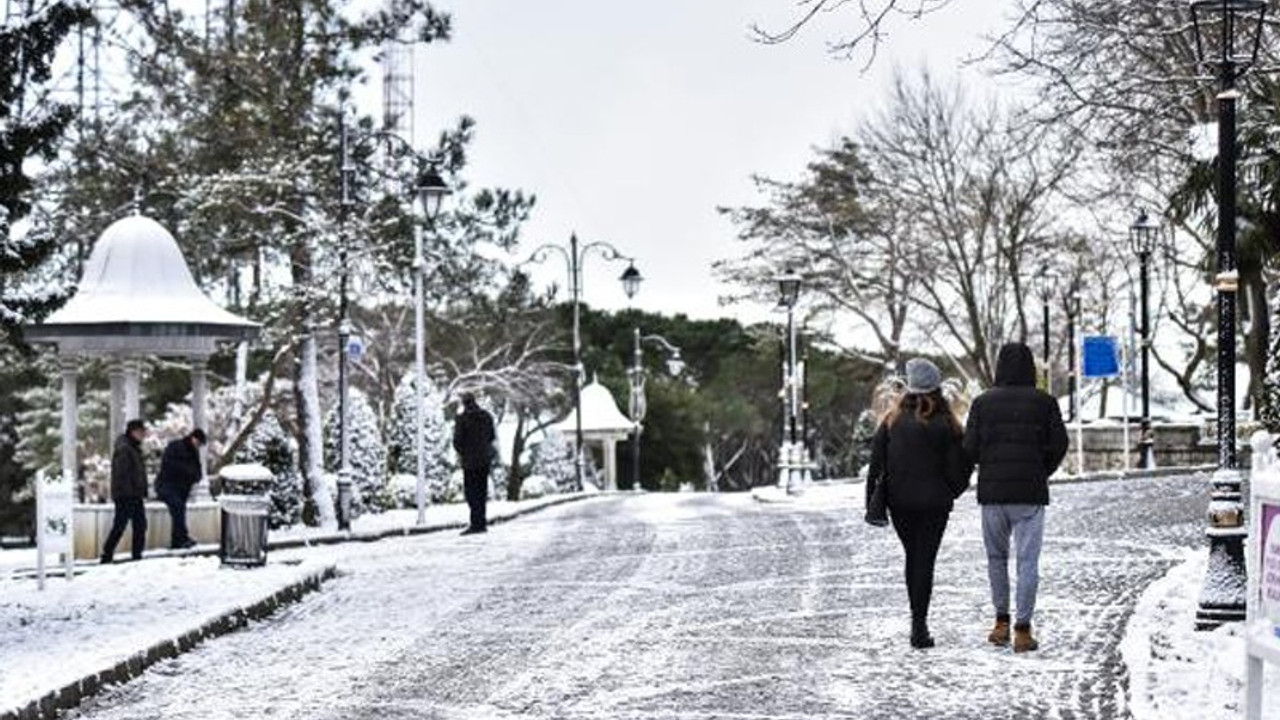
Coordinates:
x,y
536,486
437,437
269,445
368,460
553,460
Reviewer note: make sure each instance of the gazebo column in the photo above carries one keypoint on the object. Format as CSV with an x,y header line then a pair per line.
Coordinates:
x,y
116,402
132,392
70,408
199,396
610,463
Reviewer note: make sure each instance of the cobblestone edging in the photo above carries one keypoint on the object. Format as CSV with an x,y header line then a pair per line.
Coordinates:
x,y
71,695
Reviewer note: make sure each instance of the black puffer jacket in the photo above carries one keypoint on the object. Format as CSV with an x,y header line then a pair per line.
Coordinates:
x,y
473,436
923,461
1015,434
179,466
128,470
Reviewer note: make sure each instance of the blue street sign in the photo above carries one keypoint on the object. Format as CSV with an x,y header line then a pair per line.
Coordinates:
x,y
1101,356
355,348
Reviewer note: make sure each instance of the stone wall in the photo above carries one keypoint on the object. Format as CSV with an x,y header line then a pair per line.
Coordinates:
x,y
1175,446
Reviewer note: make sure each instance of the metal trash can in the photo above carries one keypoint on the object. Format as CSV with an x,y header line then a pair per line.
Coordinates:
x,y
246,509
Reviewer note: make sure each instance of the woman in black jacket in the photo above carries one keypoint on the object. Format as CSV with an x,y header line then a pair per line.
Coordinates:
x,y
917,454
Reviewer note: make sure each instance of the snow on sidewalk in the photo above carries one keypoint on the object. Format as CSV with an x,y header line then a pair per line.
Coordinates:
x,y
1176,673
73,629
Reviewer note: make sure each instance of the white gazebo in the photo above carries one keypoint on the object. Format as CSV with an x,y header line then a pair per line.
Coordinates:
x,y
136,299
602,423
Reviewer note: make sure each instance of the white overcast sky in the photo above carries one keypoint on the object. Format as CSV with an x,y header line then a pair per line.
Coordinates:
x,y
632,122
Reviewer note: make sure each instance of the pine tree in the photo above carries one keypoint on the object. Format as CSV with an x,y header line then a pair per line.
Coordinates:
x,y
1269,408
553,460
402,456
28,129
368,456
270,446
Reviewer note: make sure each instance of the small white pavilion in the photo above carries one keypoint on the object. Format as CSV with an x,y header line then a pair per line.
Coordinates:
x,y
602,424
137,299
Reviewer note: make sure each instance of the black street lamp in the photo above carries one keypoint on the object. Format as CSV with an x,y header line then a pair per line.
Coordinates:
x,y
639,408
574,257
792,460
1143,235
1227,35
1073,313
1048,291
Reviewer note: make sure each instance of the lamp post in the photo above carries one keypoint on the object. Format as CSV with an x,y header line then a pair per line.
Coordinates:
x,y
431,190
1142,238
675,365
1073,312
1048,290
790,455
574,257
1227,35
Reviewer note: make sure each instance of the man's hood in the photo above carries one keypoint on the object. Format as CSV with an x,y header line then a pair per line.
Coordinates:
x,y
1015,366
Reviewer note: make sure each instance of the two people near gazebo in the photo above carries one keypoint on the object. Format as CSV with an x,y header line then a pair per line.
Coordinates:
x,y
180,470
473,437
128,490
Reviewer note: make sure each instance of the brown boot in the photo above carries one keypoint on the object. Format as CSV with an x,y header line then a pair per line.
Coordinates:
x,y
1022,640
1000,633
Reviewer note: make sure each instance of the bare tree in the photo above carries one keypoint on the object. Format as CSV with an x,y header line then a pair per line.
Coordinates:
x,y
869,31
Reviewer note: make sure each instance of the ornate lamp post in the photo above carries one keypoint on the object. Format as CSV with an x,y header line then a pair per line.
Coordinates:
x,y
574,257
431,190
791,459
1048,291
1142,239
1227,34
675,366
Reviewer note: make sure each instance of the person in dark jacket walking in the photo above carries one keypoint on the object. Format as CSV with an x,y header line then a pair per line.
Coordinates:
x,y
473,437
917,452
180,470
1016,436
128,491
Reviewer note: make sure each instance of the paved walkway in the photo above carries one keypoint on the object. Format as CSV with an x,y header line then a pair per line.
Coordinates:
x,y
689,606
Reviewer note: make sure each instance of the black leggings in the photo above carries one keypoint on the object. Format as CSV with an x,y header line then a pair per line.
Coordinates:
x,y
921,534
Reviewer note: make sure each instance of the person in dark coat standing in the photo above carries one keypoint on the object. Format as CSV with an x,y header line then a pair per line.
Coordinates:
x,y
128,491
917,451
1016,435
180,470
473,437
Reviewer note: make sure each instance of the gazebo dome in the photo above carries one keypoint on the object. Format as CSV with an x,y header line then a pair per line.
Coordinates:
x,y
137,295
600,414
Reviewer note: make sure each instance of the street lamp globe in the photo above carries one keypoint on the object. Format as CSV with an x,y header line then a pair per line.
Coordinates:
x,y
788,290
631,279
1143,234
1228,32
432,190
675,364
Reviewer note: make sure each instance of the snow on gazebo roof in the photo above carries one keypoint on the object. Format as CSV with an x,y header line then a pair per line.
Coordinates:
x,y
137,295
600,413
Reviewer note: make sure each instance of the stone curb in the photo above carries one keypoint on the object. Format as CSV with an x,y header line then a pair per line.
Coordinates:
x,y
1131,474
71,695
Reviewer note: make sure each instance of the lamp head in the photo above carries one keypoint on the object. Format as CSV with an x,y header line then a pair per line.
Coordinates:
x,y
788,290
1143,234
631,279
432,190
1228,33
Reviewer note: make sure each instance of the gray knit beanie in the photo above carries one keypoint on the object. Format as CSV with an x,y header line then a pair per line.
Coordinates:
x,y
922,376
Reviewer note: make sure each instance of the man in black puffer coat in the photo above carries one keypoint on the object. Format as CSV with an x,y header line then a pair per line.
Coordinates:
x,y
473,435
180,470
1016,436
128,491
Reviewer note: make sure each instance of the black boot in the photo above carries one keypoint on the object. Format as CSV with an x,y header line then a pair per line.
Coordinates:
x,y
920,637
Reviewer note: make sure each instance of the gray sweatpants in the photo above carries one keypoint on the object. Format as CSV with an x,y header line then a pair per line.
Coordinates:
x,y
1026,524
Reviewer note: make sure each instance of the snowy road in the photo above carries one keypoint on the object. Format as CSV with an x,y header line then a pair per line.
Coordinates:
x,y
688,606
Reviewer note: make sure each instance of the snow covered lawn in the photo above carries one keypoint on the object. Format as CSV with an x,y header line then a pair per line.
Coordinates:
x,y
1176,673
107,614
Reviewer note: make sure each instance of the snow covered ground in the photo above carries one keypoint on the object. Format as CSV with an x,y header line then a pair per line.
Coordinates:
x,y
106,614
1176,673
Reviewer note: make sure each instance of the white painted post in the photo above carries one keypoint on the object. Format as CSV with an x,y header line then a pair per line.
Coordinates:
x,y
1124,389
132,392
116,402
1080,411
40,529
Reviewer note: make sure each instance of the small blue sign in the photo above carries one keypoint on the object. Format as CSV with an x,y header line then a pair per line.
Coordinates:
x,y
1101,356
355,349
